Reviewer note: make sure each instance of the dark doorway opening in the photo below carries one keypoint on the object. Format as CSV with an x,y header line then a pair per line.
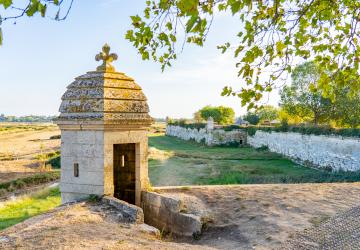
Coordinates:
x,y
124,172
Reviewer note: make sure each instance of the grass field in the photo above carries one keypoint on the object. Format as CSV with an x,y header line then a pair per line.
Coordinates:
x,y
14,212
26,149
178,162
24,127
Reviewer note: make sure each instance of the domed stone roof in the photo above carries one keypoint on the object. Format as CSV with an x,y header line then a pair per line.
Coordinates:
x,y
105,95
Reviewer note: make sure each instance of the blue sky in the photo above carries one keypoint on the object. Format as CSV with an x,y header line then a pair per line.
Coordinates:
x,y
40,57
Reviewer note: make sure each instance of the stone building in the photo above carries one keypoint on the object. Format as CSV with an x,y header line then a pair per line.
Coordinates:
x,y
104,123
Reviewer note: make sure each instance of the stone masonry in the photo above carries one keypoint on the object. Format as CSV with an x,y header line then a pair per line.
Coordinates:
x,y
101,109
332,152
208,136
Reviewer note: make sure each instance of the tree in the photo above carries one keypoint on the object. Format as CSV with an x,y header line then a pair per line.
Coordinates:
x,y
347,109
252,118
197,117
273,35
267,112
30,8
221,115
303,98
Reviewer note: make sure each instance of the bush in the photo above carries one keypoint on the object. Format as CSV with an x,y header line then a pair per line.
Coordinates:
x,y
55,162
52,158
231,128
284,127
251,131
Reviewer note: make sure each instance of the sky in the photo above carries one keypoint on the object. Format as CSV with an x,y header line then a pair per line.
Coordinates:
x,y
40,57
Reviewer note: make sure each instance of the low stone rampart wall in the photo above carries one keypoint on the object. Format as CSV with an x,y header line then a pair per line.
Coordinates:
x,y
334,152
208,136
165,213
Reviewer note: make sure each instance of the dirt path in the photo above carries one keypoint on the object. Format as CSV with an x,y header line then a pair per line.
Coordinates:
x,y
264,216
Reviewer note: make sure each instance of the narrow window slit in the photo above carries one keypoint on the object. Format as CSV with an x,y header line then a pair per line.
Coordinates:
x,y
76,169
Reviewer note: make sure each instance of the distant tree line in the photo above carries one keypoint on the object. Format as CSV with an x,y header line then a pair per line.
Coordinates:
x,y
28,118
303,104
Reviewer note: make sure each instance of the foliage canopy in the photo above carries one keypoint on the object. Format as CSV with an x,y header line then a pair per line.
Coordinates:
x,y
221,115
252,118
304,99
267,113
273,36
30,8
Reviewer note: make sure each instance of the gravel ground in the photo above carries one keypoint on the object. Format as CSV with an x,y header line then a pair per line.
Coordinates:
x,y
339,232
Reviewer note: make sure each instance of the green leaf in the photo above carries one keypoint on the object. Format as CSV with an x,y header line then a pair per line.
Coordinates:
x,y
235,7
280,46
33,8
42,9
169,26
172,38
190,23
6,3
135,19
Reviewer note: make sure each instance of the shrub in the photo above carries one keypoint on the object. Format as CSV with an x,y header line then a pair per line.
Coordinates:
x,y
251,131
231,127
52,158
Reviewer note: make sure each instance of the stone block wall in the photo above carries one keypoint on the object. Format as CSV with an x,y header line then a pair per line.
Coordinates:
x,y
85,148
334,152
208,136
140,139
165,213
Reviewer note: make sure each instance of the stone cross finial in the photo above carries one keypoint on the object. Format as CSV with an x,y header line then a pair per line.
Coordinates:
x,y
107,59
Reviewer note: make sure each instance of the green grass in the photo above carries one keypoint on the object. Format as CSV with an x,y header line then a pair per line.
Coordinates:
x,y
14,212
196,164
191,149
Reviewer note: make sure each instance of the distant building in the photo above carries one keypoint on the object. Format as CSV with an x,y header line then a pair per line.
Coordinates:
x,y
270,123
265,123
275,122
241,122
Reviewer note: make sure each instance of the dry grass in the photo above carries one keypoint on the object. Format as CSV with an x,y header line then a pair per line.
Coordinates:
x,y
82,226
20,143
